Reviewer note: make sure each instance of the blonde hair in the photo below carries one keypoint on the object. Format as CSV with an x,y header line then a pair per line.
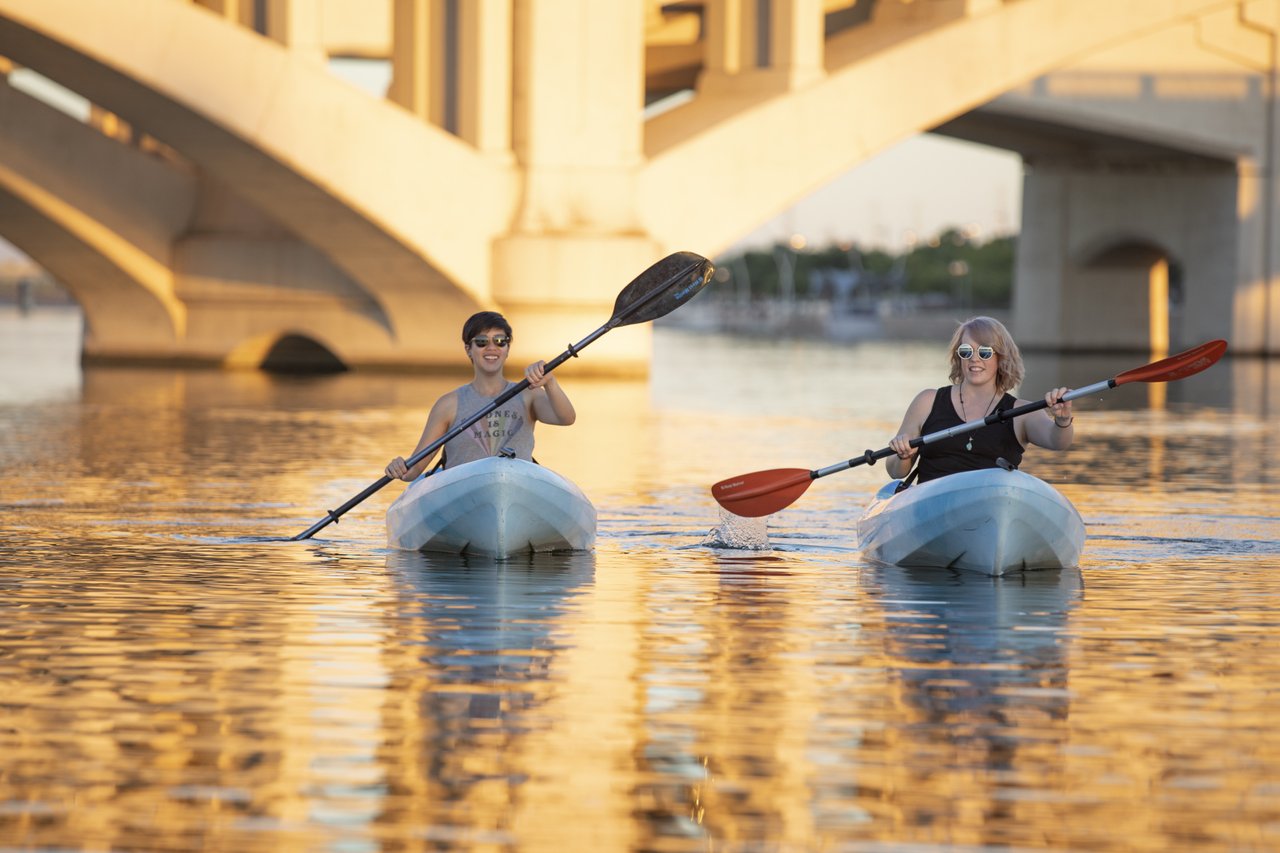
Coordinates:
x,y
987,331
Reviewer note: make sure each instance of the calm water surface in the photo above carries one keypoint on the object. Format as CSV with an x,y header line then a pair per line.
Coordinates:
x,y
175,676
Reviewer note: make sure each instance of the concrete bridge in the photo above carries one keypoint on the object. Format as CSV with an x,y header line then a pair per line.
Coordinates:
x,y
229,201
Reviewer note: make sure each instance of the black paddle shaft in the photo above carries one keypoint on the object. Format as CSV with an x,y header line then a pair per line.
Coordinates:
x,y
623,309
334,514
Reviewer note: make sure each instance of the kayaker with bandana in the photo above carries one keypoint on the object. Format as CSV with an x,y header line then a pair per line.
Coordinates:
x,y
985,367
486,340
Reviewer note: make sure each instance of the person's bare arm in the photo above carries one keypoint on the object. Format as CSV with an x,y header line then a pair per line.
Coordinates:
x,y
438,423
912,423
550,403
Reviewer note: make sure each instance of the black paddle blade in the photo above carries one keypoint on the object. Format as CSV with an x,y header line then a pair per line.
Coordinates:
x,y
662,288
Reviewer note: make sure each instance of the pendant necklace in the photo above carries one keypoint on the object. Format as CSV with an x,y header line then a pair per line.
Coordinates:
x,y
968,445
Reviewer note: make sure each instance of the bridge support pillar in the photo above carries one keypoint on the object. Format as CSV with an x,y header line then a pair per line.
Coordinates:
x,y
753,49
240,12
576,240
452,67
1127,258
296,24
1258,302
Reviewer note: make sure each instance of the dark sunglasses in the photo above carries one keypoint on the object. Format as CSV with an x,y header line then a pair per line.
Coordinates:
x,y
966,352
481,341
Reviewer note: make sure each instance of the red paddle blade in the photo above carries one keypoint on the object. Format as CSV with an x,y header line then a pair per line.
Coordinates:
x,y
1178,366
763,492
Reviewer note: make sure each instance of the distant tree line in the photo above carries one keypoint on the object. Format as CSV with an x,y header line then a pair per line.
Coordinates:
x,y
949,267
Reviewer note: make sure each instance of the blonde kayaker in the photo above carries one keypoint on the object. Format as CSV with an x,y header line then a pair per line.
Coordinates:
x,y
486,340
985,367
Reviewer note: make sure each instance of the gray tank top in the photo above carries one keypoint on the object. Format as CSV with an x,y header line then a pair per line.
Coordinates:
x,y
505,426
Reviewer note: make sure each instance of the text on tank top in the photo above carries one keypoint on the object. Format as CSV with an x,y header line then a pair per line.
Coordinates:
x,y
506,426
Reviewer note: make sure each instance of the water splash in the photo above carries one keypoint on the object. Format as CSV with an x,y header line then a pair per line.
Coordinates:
x,y
736,532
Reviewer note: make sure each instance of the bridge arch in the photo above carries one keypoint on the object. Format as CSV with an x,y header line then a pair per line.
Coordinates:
x,y
345,173
127,309
72,200
127,233
290,352
300,354
1135,282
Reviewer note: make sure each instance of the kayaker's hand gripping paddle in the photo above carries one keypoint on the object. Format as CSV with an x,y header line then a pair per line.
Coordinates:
x,y
656,292
765,492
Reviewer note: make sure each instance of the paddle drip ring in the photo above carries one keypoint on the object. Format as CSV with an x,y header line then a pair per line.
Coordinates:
x,y
573,352
869,457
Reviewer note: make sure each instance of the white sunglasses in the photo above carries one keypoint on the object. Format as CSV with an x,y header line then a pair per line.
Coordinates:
x,y
965,351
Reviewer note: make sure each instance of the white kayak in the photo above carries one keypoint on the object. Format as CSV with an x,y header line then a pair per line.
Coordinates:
x,y
991,521
495,507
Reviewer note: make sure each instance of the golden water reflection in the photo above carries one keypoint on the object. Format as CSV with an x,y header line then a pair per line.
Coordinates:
x,y
178,676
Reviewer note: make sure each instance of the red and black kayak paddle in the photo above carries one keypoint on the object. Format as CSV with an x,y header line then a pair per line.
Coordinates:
x,y
765,492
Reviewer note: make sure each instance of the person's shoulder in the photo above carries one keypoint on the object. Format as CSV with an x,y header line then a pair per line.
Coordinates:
x,y
928,395
448,401
921,404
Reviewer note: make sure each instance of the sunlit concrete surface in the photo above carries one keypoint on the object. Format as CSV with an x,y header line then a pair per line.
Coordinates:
x,y
225,191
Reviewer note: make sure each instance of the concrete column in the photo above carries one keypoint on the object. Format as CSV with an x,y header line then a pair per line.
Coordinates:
x,y
484,75
296,25
798,41
1041,260
579,88
1253,33
729,33
1265,16
759,47
1253,293
577,135
737,49
236,11
452,65
1271,261
417,70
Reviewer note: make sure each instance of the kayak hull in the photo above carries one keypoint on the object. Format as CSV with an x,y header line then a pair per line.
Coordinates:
x,y
991,521
493,507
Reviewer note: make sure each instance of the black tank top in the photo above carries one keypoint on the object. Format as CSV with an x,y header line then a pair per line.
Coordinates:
x,y
953,455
